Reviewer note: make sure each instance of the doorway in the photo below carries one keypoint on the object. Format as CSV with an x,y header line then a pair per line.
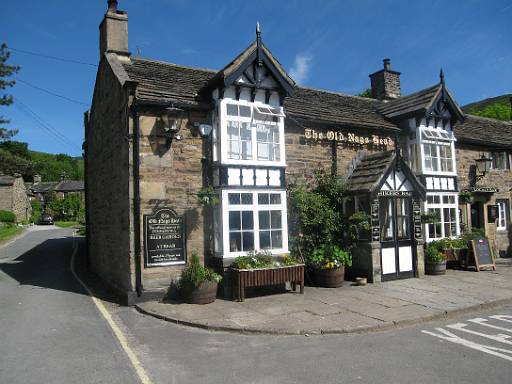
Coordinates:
x,y
396,237
477,215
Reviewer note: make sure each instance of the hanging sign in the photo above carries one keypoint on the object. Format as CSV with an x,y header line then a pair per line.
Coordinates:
x,y
394,194
164,238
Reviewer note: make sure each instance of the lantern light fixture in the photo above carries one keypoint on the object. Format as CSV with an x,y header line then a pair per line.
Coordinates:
x,y
483,164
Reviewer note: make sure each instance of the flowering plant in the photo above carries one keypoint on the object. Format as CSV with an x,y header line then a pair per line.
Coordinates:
x,y
329,257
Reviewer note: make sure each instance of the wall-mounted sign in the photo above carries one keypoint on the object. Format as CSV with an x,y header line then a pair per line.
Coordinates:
x,y
394,194
481,190
416,211
375,220
164,238
347,138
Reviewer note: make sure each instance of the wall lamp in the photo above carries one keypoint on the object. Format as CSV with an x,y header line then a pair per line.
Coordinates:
x,y
483,165
172,124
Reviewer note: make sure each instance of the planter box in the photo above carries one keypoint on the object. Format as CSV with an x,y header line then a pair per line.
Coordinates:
x,y
329,278
261,277
435,268
205,293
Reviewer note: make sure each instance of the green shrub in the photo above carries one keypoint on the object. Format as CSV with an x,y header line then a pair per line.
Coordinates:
x,y
434,253
329,257
262,259
7,217
472,234
194,274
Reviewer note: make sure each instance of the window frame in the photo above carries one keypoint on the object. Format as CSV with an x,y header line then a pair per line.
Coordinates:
x,y
503,214
255,208
223,139
441,206
435,138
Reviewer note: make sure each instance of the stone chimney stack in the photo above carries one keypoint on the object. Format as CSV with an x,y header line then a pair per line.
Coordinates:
x,y
114,31
37,179
385,83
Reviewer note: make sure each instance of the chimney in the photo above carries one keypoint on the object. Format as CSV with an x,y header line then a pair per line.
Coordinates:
x,y
37,179
385,83
114,31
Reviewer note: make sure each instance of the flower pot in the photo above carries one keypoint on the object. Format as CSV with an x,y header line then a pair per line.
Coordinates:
x,y
329,278
205,293
435,268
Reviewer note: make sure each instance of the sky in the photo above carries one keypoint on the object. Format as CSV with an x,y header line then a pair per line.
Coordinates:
x,y
332,45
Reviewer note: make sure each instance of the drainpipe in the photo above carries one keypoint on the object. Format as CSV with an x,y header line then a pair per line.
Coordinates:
x,y
136,201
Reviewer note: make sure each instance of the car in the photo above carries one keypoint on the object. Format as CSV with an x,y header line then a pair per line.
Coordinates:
x,y
45,219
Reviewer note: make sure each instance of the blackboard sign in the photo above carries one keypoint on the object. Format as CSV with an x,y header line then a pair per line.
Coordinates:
x,y
416,210
482,253
164,238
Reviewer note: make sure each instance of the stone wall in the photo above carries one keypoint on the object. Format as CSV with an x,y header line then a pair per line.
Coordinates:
x,y
171,177
108,195
500,179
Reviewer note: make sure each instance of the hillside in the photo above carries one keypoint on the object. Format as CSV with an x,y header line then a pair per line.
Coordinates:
x,y
15,157
498,107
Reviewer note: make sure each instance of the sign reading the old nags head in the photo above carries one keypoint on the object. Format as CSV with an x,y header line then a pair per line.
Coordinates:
x,y
164,238
347,137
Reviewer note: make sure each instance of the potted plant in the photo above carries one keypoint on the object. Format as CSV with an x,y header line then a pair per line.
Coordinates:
x,y
435,260
198,284
328,265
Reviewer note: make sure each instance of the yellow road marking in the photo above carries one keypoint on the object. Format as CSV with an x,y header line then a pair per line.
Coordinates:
x,y
141,372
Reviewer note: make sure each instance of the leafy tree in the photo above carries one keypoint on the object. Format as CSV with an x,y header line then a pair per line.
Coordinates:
x,y
6,71
499,110
366,93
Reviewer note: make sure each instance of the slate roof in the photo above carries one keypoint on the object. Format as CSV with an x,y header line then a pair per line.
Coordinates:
x,y
70,186
174,83
411,103
44,187
6,180
484,131
367,174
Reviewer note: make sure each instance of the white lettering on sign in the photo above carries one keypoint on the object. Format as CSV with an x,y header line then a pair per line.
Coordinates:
x,y
347,137
395,193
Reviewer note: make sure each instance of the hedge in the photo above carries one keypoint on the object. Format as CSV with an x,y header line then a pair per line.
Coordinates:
x,y
7,217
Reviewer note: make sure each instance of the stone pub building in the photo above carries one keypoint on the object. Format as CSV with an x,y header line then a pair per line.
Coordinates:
x,y
158,133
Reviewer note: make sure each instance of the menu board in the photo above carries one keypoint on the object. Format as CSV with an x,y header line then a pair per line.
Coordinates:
x,y
482,253
416,209
164,238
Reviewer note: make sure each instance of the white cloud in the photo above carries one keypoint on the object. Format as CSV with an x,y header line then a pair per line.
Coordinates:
x,y
301,66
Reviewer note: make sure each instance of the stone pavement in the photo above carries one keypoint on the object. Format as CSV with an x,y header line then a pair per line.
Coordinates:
x,y
349,308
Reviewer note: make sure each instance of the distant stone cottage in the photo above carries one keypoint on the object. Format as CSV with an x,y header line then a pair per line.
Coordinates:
x,y
13,197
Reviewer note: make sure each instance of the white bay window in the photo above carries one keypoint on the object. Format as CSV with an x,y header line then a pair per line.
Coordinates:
x,y
445,207
255,220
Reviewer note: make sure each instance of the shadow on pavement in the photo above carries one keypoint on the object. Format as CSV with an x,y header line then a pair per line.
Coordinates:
x,y
47,265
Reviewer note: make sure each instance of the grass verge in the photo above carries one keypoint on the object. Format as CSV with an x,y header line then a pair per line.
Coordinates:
x,y
8,232
66,224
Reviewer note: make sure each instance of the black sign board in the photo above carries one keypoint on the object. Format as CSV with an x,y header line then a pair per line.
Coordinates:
x,y
416,209
164,238
482,253
375,220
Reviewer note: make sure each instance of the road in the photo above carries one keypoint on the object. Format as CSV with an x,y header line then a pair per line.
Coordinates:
x,y
52,332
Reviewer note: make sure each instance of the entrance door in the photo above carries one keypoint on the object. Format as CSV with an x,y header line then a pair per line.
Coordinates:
x,y
397,251
476,215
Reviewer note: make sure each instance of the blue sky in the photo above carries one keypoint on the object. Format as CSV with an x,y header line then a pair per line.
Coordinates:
x,y
331,45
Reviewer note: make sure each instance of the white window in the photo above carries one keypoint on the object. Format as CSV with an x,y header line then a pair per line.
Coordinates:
x,y
438,150
501,223
251,133
255,220
444,206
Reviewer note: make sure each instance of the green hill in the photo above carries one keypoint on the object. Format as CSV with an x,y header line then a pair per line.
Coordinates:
x,y
15,157
498,107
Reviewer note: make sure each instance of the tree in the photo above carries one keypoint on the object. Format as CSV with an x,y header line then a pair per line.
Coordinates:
x,y
366,93
6,71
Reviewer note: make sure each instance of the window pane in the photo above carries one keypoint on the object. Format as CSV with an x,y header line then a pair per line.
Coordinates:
x,y
275,198
263,198
247,220
247,198
245,131
245,111
265,239
264,151
248,241
275,219
246,150
233,198
264,217
234,220
232,109
277,239
235,241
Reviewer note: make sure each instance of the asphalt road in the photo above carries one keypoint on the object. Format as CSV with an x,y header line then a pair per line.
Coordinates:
x,y
51,332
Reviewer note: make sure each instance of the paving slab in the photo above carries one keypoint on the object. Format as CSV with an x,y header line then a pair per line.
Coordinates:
x,y
348,308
